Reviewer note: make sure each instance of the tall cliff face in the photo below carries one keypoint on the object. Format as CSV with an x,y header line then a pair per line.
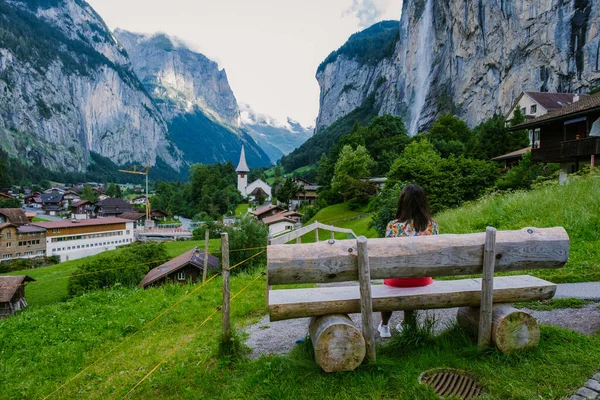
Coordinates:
x,y
470,58
68,89
195,98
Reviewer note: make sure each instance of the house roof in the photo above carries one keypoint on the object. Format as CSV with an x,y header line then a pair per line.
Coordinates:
x,y
515,154
156,212
242,165
132,216
586,103
15,215
265,209
5,196
290,213
552,101
80,203
6,225
10,284
52,208
67,223
193,256
51,197
279,217
30,229
114,206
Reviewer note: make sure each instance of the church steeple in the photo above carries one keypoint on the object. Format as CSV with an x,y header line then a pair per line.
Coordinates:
x,y
242,166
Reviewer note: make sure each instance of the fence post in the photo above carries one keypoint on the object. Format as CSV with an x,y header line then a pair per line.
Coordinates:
x,y
226,294
487,289
267,276
206,243
366,301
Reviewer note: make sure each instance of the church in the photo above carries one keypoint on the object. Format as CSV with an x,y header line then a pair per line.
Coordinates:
x,y
256,188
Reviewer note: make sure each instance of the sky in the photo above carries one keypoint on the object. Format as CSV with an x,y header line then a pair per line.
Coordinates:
x,y
270,48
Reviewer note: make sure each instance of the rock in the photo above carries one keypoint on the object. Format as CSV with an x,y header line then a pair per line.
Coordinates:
x,y
469,58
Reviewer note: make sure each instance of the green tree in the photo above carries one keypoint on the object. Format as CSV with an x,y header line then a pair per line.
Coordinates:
x,y
351,166
247,233
112,190
450,136
10,203
4,178
526,173
89,194
119,194
287,191
494,139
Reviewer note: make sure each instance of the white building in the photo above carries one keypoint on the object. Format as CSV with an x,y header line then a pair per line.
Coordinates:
x,y
73,239
254,189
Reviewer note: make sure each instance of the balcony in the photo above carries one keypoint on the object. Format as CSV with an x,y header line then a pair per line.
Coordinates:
x,y
569,150
580,148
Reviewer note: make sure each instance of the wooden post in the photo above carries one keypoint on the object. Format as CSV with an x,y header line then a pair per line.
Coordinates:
x,y
226,293
332,235
338,344
317,235
487,288
270,238
206,244
299,240
366,301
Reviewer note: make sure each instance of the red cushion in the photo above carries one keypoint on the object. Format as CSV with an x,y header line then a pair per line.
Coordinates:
x,y
408,282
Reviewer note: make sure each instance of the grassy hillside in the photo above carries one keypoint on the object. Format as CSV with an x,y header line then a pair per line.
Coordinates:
x,y
575,206
51,282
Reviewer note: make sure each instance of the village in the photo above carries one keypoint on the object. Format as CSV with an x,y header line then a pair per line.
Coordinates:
x,y
424,228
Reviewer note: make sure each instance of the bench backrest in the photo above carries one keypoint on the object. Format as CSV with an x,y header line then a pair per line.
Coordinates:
x,y
440,255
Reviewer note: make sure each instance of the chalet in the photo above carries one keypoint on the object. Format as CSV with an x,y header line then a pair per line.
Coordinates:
x,y
33,200
140,200
280,223
536,104
71,196
188,266
80,209
159,215
12,294
308,193
21,241
266,211
73,239
511,159
14,216
569,135
52,203
112,208
138,219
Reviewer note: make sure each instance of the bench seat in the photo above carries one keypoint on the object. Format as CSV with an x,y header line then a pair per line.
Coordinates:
x,y
299,303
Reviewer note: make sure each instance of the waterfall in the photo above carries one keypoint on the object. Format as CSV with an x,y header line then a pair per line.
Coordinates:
x,y
423,59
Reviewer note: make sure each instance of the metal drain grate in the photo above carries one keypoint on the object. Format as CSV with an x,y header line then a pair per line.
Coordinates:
x,y
451,384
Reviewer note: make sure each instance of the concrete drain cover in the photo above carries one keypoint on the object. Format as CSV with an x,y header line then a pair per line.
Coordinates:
x,y
451,383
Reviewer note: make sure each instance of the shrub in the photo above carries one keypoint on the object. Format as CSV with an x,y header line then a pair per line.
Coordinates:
x,y
28,263
125,267
247,233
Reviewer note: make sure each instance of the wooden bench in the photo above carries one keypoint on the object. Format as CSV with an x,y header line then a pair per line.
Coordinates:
x,y
340,346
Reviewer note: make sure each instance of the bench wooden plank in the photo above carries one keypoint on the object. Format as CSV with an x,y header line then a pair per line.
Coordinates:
x,y
441,255
299,303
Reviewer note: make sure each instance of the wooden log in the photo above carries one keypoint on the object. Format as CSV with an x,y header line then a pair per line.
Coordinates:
x,y
288,237
487,289
226,290
206,246
439,255
299,303
366,302
338,344
512,329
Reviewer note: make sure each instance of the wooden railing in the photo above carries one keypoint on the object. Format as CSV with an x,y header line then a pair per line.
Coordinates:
x,y
297,234
580,147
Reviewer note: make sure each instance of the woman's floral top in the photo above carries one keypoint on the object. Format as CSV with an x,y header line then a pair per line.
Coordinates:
x,y
398,229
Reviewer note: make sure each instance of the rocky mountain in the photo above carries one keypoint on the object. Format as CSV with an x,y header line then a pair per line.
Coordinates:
x,y
68,90
195,98
276,138
470,58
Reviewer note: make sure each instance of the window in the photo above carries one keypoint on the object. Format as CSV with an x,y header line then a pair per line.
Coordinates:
x,y
29,253
181,276
9,244
8,235
533,109
18,255
5,256
524,110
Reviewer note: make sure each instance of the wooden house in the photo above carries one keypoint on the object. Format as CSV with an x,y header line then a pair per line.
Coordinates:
x,y
12,294
52,203
159,215
266,211
186,267
79,209
569,135
112,208
139,219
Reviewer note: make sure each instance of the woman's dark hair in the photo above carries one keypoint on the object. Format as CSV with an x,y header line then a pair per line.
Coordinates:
x,y
413,206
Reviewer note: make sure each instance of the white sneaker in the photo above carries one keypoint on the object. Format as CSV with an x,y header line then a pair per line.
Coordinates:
x,y
384,331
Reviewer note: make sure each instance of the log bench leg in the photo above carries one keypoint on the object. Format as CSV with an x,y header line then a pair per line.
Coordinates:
x,y
338,344
512,329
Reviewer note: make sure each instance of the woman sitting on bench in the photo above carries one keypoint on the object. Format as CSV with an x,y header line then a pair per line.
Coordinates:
x,y
413,218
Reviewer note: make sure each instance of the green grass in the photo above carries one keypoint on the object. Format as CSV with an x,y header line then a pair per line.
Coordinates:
x,y
51,282
342,216
36,219
575,206
241,210
549,305
44,347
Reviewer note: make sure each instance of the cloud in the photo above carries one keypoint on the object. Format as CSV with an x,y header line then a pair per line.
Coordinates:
x,y
369,12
